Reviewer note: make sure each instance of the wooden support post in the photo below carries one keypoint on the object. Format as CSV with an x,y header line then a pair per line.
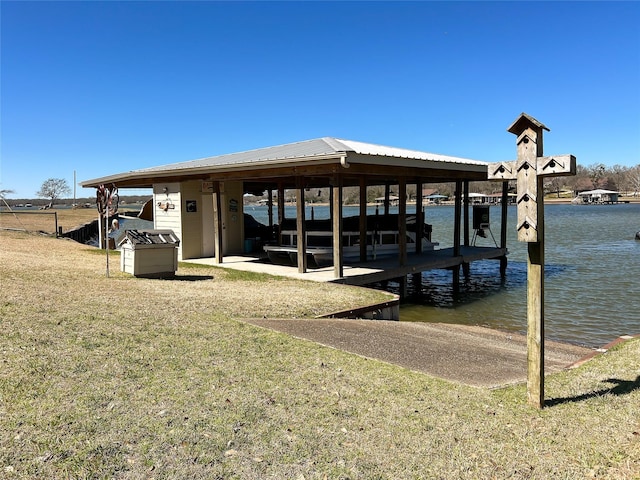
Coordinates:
x,y
456,235
419,218
529,169
531,230
387,198
217,222
402,221
402,284
337,228
503,227
281,216
416,280
270,208
457,215
465,210
535,314
300,227
363,219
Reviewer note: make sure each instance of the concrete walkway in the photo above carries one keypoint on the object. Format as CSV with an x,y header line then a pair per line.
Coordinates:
x,y
474,356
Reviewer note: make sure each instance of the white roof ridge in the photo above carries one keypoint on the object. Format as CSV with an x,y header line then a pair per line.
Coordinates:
x,y
336,144
387,151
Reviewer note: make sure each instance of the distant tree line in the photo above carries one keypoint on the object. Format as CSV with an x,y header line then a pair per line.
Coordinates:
x,y
619,178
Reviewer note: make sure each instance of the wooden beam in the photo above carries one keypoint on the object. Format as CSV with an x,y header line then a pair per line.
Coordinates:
x,y
456,215
535,307
466,213
337,229
281,211
419,217
402,220
503,226
379,175
270,209
387,200
217,222
456,235
363,219
466,267
300,228
504,206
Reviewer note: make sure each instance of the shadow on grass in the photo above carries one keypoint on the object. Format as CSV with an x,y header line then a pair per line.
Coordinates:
x,y
190,278
621,387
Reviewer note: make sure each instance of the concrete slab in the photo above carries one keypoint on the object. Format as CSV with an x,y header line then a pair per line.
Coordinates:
x,y
470,355
360,273
252,264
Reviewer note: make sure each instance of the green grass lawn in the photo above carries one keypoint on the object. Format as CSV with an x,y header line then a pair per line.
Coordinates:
x,y
132,378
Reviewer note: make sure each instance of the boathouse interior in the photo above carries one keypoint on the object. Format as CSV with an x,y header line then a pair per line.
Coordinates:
x,y
202,201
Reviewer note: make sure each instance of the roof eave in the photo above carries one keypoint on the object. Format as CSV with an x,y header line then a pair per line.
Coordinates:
x,y
458,165
147,176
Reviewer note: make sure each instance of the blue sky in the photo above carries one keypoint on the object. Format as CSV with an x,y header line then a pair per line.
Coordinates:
x,y
106,87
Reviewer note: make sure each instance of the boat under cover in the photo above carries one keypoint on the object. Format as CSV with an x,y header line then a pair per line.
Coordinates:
x,y
382,240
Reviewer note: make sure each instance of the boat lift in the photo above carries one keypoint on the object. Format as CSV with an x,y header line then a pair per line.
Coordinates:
x,y
481,224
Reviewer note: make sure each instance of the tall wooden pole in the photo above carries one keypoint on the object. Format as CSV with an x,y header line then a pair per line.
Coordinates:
x,y
531,210
535,321
529,169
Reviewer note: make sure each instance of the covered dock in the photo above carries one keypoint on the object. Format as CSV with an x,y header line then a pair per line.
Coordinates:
x,y
202,202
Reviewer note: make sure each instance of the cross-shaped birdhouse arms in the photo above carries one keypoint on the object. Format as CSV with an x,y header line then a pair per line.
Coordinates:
x,y
528,170
555,166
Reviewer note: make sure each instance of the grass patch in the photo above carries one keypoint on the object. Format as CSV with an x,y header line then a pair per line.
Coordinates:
x,y
120,378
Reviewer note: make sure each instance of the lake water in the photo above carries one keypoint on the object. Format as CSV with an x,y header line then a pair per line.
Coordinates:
x,y
592,274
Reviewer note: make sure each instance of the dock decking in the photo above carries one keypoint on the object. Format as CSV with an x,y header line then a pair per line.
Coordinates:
x,y
364,273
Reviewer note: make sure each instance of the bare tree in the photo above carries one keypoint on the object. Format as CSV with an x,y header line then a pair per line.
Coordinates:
x,y
53,189
4,193
597,172
634,179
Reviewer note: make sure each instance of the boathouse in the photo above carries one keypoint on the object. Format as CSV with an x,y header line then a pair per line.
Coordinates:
x,y
598,196
202,201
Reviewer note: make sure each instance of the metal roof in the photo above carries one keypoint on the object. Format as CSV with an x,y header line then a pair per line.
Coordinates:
x,y
319,147
298,150
315,150
383,151
598,191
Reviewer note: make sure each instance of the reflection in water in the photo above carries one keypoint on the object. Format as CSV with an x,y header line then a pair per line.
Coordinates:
x,y
484,297
592,279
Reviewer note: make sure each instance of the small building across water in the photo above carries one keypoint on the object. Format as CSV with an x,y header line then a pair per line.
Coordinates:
x,y
599,196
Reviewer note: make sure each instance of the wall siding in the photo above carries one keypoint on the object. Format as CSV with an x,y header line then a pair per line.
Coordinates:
x,y
191,209
168,218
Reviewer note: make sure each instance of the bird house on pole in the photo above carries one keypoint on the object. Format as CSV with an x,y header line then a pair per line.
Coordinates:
x,y
529,170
